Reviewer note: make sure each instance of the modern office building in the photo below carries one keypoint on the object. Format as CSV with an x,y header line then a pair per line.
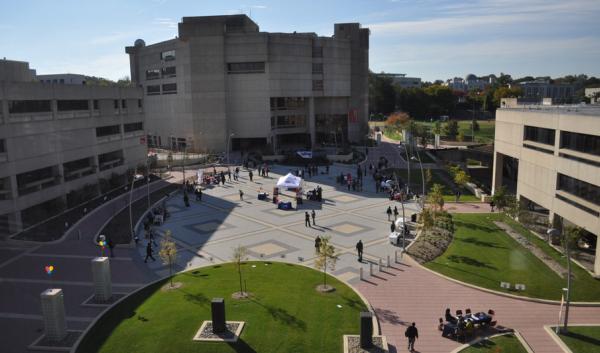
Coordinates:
x,y
593,94
549,156
57,138
403,81
223,81
542,88
470,83
65,79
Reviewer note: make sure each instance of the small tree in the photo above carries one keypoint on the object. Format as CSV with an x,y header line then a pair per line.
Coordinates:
x,y
436,196
240,254
502,199
427,218
428,177
461,178
571,235
168,253
475,125
451,128
327,257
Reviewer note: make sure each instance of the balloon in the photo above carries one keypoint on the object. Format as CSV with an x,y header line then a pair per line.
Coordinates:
x,y
49,269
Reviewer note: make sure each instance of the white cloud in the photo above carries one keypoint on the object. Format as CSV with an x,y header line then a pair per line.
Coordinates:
x,y
258,7
112,66
165,22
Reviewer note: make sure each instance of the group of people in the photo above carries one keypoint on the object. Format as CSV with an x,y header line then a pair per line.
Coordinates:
x,y
315,194
354,184
462,325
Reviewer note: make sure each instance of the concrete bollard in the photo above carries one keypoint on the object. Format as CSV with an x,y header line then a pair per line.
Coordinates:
x,y
380,265
53,313
360,273
388,261
371,268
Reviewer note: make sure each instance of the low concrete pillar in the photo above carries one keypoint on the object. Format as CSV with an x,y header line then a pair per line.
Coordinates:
x,y
360,273
388,261
380,264
53,312
101,276
371,268
366,330
218,315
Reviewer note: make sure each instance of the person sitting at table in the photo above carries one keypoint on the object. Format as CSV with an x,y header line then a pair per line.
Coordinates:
x,y
449,316
461,323
441,324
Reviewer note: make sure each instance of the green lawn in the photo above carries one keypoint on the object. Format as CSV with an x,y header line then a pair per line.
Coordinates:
x,y
582,339
392,133
484,255
417,185
484,135
286,313
504,344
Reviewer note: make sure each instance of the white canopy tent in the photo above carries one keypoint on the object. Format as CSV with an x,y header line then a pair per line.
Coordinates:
x,y
289,181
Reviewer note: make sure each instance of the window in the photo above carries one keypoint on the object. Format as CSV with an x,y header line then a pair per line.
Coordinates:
x,y
133,127
168,71
36,180
317,52
2,146
108,130
317,85
96,104
124,103
538,134
62,80
29,106
580,142
140,103
153,90
317,68
116,103
68,105
287,103
169,88
246,68
110,160
78,168
168,55
581,189
291,121
152,74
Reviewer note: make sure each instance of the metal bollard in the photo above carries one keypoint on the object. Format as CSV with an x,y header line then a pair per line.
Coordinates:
x,y
388,261
380,264
395,256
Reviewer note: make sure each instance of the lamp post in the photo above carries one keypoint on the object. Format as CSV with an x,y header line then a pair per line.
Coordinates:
x,y
422,179
148,179
403,216
228,142
408,164
555,232
136,176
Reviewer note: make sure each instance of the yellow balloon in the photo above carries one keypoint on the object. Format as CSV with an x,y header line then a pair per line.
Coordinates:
x,y
51,268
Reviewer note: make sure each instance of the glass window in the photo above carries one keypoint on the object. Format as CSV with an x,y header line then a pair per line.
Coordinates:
x,y
139,103
96,104
68,105
317,68
108,130
116,103
538,134
317,52
586,191
133,127
124,103
246,68
152,74
169,88
29,106
153,90
317,85
2,146
580,142
168,71
167,55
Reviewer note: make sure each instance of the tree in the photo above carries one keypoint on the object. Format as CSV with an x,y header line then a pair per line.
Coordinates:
x,y
382,96
460,137
506,202
571,235
327,257
475,125
436,196
427,218
437,128
505,92
398,120
240,254
168,253
461,178
451,129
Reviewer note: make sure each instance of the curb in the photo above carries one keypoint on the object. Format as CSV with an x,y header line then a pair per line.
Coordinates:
x,y
507,295
109,308
516,333
550,330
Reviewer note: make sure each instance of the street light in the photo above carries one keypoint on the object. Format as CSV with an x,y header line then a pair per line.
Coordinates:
x,y
408,164
422,179
228,142
136,176
553,232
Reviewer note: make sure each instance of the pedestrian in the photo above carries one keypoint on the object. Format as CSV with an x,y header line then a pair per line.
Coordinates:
x,y
306,219
359,250
457,195
492,204
228,174
111,246
393,227
389,212
199,193
317,244
223,179
327,169
395,212
412,334
250,175
186,199
241,195
149,252
312,214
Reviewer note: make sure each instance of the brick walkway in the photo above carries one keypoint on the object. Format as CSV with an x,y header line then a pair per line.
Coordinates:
x,y
409,293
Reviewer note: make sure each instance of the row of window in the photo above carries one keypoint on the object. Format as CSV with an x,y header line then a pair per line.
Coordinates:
x,y
287,103
108,130
168,55
165,72
288,121
317,85
539,134
586,191
246,68
580,142
62,105
167,88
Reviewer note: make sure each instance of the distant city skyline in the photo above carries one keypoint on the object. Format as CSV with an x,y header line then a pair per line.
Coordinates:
x,y
431,39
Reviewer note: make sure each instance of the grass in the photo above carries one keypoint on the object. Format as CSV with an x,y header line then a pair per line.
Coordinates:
x,y
582,339
392,133
484,255
504,344
286,313
417,185
484,135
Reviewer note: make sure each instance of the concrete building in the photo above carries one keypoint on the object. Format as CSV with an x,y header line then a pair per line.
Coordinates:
x,y
470,83
58,138
66,79
402,81
549,156
222,80
593,94
542,88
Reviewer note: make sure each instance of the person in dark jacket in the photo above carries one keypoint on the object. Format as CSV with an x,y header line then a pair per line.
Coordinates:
x,y
149,252
412,334
317,244
359,249
306,219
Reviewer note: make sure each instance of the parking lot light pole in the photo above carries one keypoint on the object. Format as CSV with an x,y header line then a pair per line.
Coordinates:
x,y
422,179
136,176
408,165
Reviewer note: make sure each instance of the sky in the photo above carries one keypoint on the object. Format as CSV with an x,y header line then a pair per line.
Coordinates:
x,y
431,39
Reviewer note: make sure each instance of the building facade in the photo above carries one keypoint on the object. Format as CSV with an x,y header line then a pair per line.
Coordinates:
x,y
65,79
542,88
593,94
549,156
403,81
57,138
222,82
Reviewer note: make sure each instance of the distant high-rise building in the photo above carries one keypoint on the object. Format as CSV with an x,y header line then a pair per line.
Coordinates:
x,y
222,78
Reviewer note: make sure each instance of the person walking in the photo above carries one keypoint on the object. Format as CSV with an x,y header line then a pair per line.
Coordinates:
x,y
317,244
395,212
359,250
393,227
492,204
228,174
412,334
241,195
306,219
250,175
389,212
149,252
312,214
